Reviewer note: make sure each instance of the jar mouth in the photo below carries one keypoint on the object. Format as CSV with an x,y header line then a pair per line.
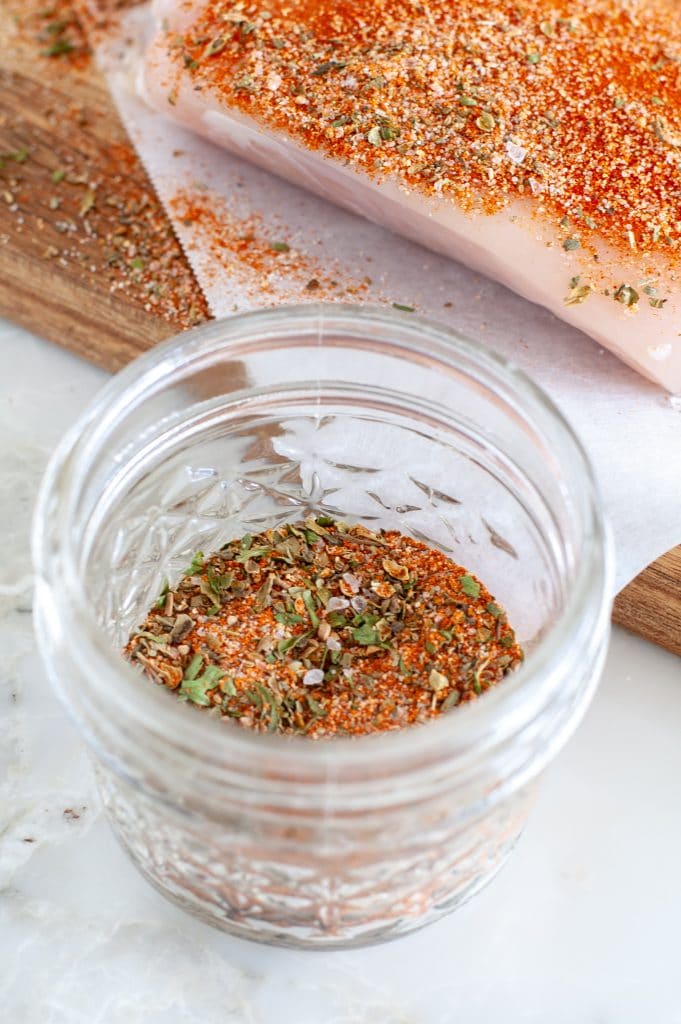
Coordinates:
x,y
485,724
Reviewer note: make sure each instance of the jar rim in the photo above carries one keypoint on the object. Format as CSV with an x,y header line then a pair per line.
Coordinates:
x,y
504,711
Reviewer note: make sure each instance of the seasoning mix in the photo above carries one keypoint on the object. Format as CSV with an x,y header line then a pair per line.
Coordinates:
x,y
323,628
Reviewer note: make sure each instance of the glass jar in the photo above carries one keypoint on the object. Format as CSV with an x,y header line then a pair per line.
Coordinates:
x,y
261,419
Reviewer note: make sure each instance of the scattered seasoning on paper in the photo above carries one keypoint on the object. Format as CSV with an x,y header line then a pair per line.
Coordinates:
x,y
575,106
324,629
259,254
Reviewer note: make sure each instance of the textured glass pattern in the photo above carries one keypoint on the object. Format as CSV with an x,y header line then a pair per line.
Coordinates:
x,y
326,884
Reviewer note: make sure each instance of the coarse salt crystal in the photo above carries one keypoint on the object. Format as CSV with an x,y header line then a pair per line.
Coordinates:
x,y
333,644
273,81
313,677
358,603
351,581
515,153
337,604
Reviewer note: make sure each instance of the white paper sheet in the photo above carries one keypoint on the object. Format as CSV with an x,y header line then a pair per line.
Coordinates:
x,y
631,429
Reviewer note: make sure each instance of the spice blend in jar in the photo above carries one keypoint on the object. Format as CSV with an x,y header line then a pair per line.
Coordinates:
x,y
322,628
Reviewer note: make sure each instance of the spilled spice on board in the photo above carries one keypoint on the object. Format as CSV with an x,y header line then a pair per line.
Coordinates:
x,y
324,629
73,192
56,31
92,212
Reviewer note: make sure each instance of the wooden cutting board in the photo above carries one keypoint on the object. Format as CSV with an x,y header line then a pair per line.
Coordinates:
x,y
60,263
78,215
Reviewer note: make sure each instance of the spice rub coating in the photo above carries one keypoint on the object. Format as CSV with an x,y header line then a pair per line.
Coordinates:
x,y
323,628
576,106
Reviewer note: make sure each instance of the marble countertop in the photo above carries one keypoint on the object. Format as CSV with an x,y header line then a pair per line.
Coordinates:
x,y
581,926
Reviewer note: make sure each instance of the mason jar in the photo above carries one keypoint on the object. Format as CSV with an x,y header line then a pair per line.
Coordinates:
x,y
373,417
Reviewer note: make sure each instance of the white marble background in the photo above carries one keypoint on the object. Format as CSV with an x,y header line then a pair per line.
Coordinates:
x,y
581,927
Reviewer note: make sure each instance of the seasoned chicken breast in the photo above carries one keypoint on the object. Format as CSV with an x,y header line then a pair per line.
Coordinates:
x,y
538,142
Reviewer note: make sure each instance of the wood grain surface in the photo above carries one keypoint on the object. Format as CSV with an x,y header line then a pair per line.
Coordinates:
x,y
651,605
68,272
66,120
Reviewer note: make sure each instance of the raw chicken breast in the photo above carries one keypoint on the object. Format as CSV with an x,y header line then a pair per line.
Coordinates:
x,y
539,143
